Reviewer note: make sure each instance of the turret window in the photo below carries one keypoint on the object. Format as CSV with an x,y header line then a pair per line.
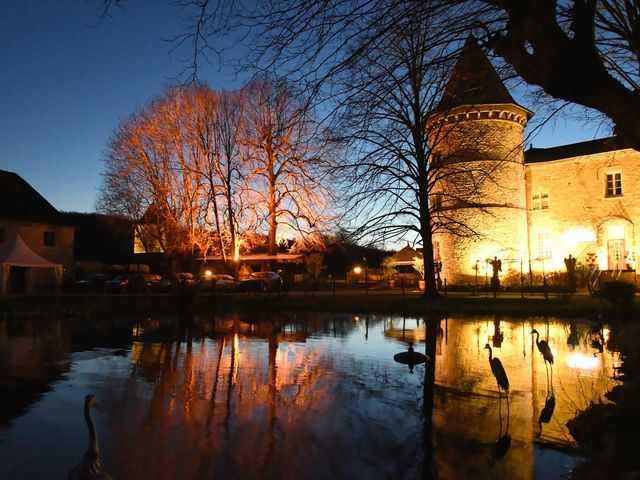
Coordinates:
x,y
614,184
540,201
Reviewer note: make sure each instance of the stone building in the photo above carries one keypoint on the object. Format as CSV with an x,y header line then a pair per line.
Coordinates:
x,y
531,209
26,214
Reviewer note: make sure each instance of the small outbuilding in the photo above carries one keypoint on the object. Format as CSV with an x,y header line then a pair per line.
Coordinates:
x,y
26,270
405,258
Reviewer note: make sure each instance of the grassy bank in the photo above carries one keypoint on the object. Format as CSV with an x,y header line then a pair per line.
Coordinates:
x,y
381,303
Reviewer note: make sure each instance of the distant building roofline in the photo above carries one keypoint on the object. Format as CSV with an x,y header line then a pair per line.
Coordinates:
x,y
572,150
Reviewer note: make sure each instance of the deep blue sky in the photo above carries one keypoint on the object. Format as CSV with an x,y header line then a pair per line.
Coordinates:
x,y
67,79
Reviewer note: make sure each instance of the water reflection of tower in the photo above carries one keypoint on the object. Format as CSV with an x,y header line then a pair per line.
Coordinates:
x,y
433,326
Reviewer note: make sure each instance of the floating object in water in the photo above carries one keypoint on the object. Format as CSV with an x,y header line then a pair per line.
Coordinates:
x,y
410,357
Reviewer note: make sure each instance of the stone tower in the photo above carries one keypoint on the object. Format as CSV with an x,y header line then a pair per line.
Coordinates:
x,y
478,197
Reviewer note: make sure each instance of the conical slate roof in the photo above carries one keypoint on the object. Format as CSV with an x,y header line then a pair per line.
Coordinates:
x,y
474,81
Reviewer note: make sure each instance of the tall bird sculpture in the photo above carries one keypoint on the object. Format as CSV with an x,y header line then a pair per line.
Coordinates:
x,y
543,347
498,371
89,466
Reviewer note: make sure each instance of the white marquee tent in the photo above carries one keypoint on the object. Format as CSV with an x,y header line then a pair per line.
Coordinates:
x,y
18,254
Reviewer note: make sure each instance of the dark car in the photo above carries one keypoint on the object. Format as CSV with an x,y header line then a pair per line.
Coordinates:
x,y
92,284
262,282
221,282
170,281
133,283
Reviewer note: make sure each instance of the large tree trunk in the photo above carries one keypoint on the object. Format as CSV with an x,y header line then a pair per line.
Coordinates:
x,y
566,67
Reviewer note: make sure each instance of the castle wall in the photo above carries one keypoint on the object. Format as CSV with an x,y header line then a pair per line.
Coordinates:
x,y
581,219
481,192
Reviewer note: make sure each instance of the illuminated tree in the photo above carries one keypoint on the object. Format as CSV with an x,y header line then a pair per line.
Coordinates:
x,y
150,173
168,165
288,168
225,168
203,169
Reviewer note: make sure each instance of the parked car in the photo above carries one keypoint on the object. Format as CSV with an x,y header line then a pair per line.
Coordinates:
x,y
262,282
220,281
92,284
169,281
133,283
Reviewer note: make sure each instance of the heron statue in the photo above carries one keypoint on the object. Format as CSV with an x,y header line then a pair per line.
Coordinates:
x,y
89,467
498,371
543,347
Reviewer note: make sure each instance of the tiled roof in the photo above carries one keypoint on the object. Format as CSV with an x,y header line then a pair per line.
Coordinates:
x,y
536,155
20,201
406,254
474,81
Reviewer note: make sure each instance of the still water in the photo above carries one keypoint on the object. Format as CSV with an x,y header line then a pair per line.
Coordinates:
x,y
311,396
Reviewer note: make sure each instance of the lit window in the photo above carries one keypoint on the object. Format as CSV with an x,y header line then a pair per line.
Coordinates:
x,y
540,201
614,184
544,200
544,246
49,239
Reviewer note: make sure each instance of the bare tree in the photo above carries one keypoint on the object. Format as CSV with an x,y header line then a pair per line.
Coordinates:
x,y
224,167
288,167
203,168
151,173
581,51
400,157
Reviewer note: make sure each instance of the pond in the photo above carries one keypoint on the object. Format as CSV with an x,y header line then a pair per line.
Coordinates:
x,y
309,396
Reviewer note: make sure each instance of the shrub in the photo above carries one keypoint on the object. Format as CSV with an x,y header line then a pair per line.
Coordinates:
x,y
618,292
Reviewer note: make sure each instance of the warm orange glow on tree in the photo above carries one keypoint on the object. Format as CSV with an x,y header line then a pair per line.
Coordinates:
x,y
287,164
200,171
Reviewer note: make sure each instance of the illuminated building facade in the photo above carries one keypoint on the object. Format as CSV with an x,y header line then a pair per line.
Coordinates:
x,y
530,209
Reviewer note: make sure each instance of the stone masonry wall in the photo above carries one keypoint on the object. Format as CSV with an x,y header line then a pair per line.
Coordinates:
x,y
487,161
580,218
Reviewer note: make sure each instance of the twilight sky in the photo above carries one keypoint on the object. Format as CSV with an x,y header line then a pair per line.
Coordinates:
x,y
68,79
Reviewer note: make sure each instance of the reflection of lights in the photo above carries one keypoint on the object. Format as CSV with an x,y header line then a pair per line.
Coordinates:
x,y
236,251
236,359
582,361
357,270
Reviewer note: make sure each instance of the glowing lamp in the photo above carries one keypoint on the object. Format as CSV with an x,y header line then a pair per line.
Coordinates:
x,y
357,270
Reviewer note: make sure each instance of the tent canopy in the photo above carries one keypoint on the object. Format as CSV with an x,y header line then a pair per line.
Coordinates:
x,y
18,254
